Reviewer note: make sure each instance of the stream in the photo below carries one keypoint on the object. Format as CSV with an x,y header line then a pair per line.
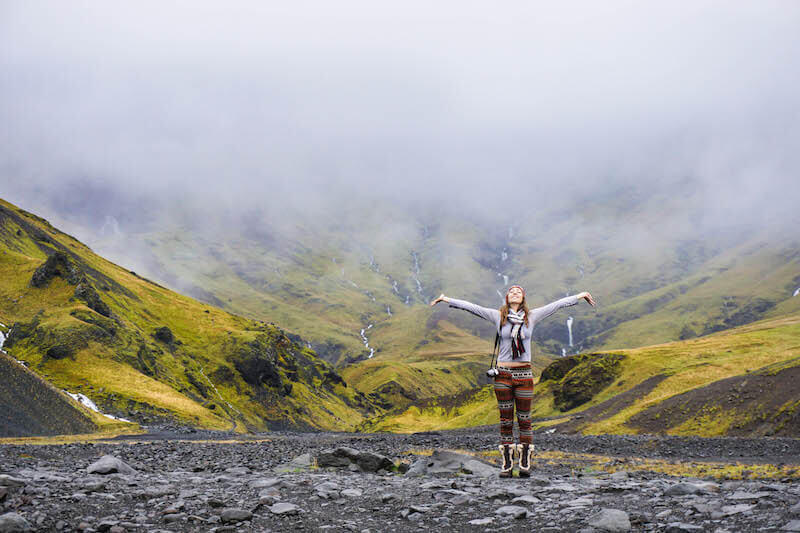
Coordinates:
x,y
366,340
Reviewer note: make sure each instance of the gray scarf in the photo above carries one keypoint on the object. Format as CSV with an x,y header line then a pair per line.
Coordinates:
x,y
516,318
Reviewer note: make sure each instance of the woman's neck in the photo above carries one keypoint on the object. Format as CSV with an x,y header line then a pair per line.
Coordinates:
x,y
514,307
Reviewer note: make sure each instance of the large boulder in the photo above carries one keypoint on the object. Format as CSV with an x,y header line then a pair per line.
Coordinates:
x,y
108,464
343,457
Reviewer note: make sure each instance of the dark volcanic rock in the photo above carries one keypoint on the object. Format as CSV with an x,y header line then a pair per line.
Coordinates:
x,y
343,457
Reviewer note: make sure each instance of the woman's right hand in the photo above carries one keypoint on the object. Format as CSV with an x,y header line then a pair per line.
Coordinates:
x,y
441,298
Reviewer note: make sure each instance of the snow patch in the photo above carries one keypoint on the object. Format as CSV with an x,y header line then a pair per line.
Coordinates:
x,y
796,292
389,310
2,336
89,404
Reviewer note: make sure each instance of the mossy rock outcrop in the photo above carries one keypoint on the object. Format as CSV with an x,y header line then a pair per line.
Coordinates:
x,y
556,370
85,292
57,264
580,377
257,362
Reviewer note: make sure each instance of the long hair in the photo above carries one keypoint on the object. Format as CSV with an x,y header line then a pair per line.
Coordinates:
x,y
504,311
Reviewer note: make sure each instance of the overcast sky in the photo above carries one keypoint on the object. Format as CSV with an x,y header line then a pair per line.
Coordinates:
x,y
463,103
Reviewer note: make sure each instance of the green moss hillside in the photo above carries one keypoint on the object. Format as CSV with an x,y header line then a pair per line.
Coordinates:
x,y
738,382
146,353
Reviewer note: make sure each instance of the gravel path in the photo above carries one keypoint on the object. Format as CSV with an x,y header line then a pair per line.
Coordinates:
x,y
205,483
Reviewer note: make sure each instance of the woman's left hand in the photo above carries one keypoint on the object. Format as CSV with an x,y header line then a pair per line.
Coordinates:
x,y
588,297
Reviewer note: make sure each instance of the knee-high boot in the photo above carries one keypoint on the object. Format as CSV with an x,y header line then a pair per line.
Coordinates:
x,y
524,451
507,459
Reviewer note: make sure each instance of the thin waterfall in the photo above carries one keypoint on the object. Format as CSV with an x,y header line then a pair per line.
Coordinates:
x,y
569,328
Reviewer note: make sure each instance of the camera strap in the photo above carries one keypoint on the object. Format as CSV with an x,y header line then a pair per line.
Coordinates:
x,y
495,352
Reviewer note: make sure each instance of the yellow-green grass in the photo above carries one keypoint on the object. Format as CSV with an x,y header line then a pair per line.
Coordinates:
x,y
595,463
479,410
689,365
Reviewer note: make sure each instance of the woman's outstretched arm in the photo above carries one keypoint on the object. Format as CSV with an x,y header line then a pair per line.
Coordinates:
x,y
492,315
540,313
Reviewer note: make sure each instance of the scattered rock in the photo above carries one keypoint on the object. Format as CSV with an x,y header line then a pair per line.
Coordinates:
x,y
612,520
512,510
235,515
285,508
684,489
10,481
729,510
680,527
266,483
301,462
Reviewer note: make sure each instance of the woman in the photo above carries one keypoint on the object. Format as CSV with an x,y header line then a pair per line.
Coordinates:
x,y
514,323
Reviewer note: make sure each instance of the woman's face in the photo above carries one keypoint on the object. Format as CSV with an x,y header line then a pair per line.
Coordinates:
x,y
515,295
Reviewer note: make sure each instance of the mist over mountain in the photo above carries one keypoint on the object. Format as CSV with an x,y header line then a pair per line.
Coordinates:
x,y
298,112
358,160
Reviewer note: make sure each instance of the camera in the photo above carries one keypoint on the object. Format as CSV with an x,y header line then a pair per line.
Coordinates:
x,y
492,372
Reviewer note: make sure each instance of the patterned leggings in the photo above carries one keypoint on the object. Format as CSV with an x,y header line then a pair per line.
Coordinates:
x,y
514,385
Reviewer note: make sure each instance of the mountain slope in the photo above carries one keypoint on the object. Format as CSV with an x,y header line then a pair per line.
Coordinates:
x,y
369,276
146,353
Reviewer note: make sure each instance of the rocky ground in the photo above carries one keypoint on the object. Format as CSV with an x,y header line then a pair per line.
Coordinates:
x,y
191,481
